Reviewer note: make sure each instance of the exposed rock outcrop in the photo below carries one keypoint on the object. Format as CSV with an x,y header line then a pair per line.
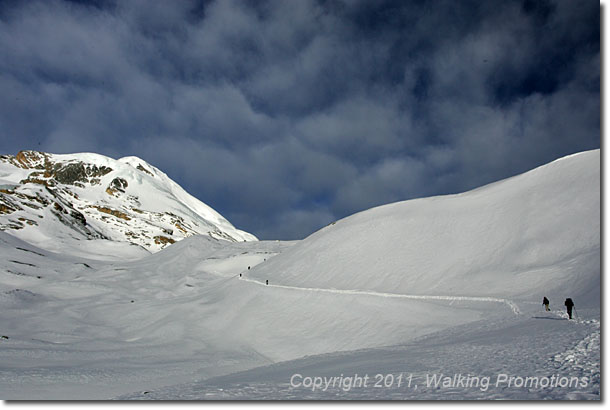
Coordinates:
x,y
113,212
163,240
74,172
117,185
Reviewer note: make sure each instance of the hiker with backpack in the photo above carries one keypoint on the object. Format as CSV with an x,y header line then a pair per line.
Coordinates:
x,y
546,302
569,305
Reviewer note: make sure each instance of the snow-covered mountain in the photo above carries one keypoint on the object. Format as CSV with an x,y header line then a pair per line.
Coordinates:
x,y
449,285
92,205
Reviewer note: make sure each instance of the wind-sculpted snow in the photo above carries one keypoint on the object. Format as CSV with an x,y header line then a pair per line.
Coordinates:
x,y
184,314
485,360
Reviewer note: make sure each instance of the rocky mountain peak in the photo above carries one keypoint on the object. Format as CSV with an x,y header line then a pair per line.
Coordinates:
x,y
92,197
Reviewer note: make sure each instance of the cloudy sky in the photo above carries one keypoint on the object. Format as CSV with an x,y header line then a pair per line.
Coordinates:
x,y
287,115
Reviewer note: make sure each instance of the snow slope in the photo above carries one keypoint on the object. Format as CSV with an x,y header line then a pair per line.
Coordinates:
x,y
374,293
536,344
86,203
191,318
528,236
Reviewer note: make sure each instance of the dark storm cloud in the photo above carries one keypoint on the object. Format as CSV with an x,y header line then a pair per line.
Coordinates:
x,y
286,115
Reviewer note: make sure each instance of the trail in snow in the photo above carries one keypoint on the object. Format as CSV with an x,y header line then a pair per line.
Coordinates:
x,y
515,309
583,358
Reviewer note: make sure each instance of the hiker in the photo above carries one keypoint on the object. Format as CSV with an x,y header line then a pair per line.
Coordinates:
x,y
267,282
240,275
569,304
546,302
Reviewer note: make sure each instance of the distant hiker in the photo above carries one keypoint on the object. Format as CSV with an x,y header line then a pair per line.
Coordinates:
x,y
267,282
569,304
248,268
240,275
546,302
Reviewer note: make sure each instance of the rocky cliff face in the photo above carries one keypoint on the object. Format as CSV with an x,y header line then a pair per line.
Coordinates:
x,y
46,197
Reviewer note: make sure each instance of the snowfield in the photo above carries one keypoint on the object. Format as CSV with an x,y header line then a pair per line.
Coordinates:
x,y
435,298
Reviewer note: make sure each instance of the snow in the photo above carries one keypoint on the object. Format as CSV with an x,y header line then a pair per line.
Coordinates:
x,y
518,347
537,231
183,198
152,205
447,285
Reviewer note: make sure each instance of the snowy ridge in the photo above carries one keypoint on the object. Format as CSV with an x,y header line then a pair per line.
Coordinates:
x,y
184,198
87,203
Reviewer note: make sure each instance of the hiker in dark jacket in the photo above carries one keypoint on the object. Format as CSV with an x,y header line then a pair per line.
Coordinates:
x,y
546,302
569,304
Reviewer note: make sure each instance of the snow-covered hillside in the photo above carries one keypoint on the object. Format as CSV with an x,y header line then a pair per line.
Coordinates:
x,y
430,286
531,235
91,205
